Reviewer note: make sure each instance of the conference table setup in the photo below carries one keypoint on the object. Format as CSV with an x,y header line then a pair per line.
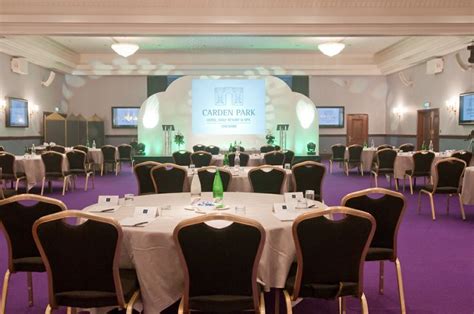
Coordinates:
x,y
255,160
150,249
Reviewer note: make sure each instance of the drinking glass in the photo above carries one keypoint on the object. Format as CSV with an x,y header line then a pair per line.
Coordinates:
x,y
165,211
301,203
128,199
240,210
309,194
287,166
192,167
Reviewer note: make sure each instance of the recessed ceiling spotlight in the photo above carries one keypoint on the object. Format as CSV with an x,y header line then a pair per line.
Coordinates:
x,y
125,50
331,49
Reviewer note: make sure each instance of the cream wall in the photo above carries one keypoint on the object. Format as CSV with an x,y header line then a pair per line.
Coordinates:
x,y
437,89
28,87
97,95
358,94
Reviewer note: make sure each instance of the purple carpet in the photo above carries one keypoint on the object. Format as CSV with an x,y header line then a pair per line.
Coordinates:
x,y
437,257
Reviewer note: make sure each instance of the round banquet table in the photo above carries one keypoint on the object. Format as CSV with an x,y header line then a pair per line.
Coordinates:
x,y
32,166
152,252
255,160
467,194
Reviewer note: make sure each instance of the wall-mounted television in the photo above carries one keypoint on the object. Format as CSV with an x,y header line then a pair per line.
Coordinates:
x,y
466,108
125,117
331,117
17,113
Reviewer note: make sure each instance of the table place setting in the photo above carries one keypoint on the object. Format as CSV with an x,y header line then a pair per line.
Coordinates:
x,y
106,204
295,204
142,216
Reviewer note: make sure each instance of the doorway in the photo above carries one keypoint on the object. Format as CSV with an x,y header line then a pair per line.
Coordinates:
x,y
428,128
357,129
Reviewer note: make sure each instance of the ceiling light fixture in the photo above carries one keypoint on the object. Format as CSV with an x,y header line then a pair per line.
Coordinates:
x,y
331,49
125,50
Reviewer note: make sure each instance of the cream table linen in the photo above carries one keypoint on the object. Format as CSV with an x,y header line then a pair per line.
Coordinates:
x,y
467,194
33,167
152,252
255,160
366,157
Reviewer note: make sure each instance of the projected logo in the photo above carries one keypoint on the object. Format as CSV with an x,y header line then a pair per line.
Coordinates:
x,y
229,96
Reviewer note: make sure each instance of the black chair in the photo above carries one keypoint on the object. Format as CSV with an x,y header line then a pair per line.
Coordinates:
x,y
85,149
182,157
222,277
338,155
214,150
289,156
422,161
53,170
244,159
384,146
207,174
274,158
234,149
384,165
199,148
168,178
463,155
355,158
267,148
16,221
58,149
109,157
388,211
267,179
5,193
143,174
125,154
309,175
447,180
82,262
78,166
408,147
201,159
9,173
330,256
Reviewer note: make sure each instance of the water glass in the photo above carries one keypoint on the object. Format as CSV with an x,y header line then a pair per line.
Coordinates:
x,y
128,199
165,211
192,167
287,166
309,194
301,203
240,210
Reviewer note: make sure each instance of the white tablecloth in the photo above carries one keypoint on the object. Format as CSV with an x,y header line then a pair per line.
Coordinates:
x,y
241,183
468,186
33,168
152,252
254,160
367,157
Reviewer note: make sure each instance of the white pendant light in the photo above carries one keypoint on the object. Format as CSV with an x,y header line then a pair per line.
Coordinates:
x,y
125,50
331,49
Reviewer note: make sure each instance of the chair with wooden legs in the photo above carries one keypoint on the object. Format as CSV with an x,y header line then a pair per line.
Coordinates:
x,y
222,276
384,165
355,159
9,173
82,262
206,177
309,175
201,159
422,161
330,256
125,154
446,180
16,221
182,157
463,155
78,166
142,172
109,157
168,178
338,155
267,179
388,211
53,170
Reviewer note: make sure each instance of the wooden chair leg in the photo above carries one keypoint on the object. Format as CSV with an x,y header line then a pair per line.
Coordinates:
x,y
16,184
401,293
87,182
411,184
48,310
29,281
330,166
6,280
433,215
64,185
342,305
347,168
381,277
361,169
102,169
262,304
363,302
376,181
396,183
42,185
181,307
461,205
132,301
289,308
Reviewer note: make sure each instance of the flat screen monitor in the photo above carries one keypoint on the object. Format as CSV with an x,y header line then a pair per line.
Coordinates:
x,y
17,113
466,108
125,117
331,117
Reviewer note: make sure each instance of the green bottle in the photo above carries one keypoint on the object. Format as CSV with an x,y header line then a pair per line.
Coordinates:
x,y
217,188
226,159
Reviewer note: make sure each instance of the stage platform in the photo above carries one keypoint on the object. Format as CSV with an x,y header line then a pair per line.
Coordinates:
x,y
169,159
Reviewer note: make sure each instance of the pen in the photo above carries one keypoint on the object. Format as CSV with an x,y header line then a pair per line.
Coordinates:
x,y
107,210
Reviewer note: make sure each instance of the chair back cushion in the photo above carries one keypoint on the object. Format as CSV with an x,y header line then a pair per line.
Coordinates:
x,y
7,163
289,156
463,155
264,181
274,158
214,150
267,148
386,159
143,174
199,147
77,160
17,215
383,146
309,175
338,151
53,163
201,159
182,157
125,152
109,153
58,148
206,177
168,178
407,147
355,153
422,161
449,173
244,159
83,148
